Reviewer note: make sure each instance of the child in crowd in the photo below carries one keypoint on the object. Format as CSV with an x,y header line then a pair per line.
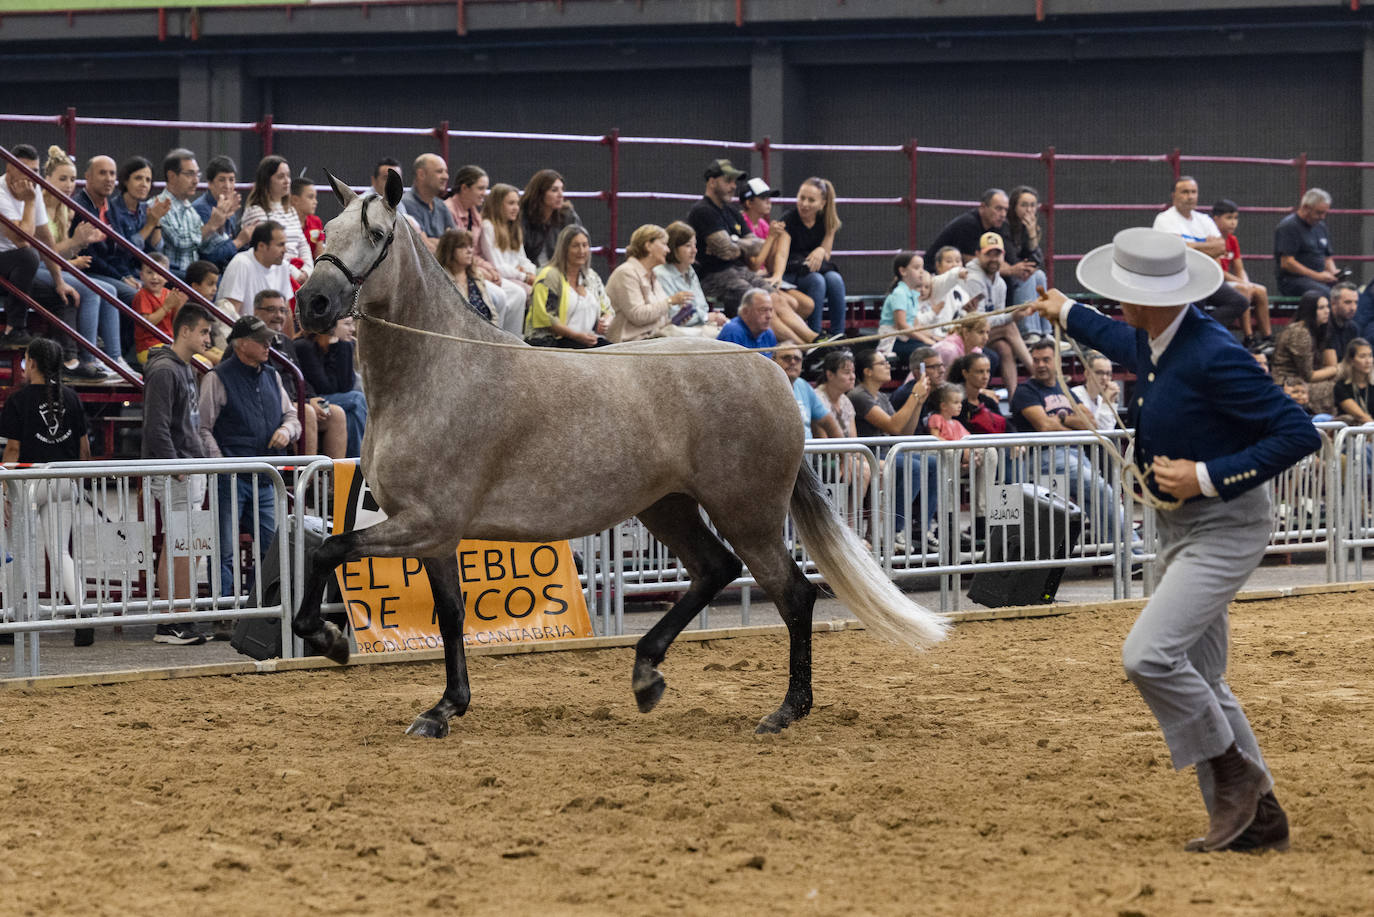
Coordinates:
x,y
1226,215
902,307
203,277
304,201
944,298
944,423
157,304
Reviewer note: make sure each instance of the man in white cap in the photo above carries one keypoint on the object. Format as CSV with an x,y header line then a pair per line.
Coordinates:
x,y
1210,428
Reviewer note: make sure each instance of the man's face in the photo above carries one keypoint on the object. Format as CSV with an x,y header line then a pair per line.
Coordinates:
x,y
994,212
790,359
1185,196
1314,213
14,178
101,177
198,336
182,181
721,188
432,177
1343,305
1042,365
934,368
272,311
222,184
250,351
271,253
991,261
758,315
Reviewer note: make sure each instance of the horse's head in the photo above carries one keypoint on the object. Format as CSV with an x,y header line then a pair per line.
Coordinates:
x,y
356,244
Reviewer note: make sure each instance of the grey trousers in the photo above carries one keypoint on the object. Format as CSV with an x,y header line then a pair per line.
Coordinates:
x,y
1175,654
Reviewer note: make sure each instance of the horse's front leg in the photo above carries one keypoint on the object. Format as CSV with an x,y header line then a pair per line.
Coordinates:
x,y
320,635
406,534
448,608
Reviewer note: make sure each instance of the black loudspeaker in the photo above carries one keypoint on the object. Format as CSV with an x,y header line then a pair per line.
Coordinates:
x,y
260,638
1041,510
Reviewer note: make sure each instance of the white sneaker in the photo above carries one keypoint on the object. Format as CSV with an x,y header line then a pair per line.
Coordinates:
x,y
122,364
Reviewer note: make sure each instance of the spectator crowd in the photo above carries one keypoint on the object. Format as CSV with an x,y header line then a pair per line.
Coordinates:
x,y
956,316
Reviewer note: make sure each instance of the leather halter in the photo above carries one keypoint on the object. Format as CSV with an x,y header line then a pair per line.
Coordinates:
x,y
357,280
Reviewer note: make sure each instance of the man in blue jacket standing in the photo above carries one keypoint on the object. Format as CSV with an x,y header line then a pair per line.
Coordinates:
x,y
1210,429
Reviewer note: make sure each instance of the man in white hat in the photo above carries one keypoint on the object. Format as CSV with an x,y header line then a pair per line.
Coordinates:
x,y
1210,428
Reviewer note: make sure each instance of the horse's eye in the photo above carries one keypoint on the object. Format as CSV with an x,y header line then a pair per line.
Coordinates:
x,y
377,235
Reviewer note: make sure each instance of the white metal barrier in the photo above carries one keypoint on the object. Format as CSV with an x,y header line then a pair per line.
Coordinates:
x,y
81,545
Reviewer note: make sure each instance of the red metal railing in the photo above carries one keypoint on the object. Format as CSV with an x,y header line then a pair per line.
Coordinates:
x,y
1050,162
7,157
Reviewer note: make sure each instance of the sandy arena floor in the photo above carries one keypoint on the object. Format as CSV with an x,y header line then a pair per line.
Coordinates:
x,y
1011,771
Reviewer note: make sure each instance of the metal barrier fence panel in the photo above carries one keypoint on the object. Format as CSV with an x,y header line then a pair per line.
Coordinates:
x,y
1002,503
1351,475
643,566
82,540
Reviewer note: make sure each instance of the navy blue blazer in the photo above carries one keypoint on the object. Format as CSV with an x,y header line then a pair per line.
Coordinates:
x,y
1207,400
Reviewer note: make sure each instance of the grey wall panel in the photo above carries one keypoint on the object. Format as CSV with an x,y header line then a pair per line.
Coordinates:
x,y
154,99
579,103
1237,106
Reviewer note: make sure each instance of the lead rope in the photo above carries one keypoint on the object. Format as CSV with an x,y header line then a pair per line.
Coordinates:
x,y
847,343
1134,478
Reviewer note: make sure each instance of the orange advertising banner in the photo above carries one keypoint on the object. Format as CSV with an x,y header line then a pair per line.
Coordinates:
x,y
513,592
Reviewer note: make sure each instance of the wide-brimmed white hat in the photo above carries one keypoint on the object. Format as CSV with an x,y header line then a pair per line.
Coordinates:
x,y
1146,267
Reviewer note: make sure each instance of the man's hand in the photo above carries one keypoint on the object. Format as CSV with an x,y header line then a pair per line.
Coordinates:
x,y
65,291
278,440
1326,276
1050,304
158,209
22,189
87,234
1111,391
1176,477
229,203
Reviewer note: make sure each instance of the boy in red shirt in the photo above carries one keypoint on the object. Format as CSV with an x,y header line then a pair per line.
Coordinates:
x,y
157,304
1226,215
304,200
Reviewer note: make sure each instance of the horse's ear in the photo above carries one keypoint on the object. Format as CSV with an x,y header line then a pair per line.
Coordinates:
x,y
394,188
345,194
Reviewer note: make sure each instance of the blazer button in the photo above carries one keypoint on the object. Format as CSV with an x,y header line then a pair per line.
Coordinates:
x,y
1139,402
1150,377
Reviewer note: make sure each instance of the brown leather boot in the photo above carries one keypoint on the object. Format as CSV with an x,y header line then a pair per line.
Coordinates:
x,y
1269,830
1239,785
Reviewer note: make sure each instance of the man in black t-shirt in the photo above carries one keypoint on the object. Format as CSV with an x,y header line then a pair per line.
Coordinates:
x,y
1302,248
725,243
966,230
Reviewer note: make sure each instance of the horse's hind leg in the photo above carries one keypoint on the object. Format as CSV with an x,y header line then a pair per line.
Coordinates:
x,y
761,546
448,608
676,521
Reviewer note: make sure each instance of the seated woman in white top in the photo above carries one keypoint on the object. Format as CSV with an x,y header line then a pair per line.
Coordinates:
x,y
505,245
676,275
270,199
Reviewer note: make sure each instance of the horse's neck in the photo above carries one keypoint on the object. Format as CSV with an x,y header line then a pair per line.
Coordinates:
x,y
417,293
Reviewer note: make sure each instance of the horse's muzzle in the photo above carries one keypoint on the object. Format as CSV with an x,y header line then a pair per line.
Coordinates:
x,y
316,309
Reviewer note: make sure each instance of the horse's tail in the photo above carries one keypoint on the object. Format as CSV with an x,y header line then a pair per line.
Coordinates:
x,y
855,576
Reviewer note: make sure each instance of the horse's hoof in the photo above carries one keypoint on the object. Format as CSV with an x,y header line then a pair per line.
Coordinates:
x,y
780,719
648,689
772,724
334,644
428,726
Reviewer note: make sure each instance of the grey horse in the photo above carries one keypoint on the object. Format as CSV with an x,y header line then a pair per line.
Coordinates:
x,y
485,437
